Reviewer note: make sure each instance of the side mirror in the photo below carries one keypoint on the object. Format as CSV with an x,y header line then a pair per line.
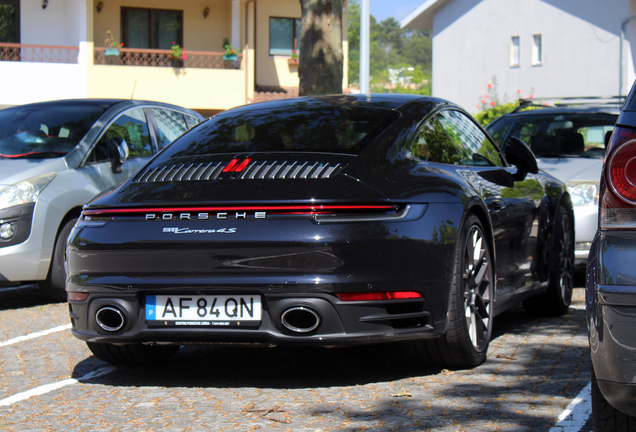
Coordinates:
x,y
517,153
118,153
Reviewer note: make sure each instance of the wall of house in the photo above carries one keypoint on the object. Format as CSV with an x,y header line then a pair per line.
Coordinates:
x,y
36,82
472,44
61,23
205,89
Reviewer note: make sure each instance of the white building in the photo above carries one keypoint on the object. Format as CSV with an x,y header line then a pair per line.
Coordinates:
x,y
544,48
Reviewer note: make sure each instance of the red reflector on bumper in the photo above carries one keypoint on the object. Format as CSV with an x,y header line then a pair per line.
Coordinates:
x,y
386,295
76,296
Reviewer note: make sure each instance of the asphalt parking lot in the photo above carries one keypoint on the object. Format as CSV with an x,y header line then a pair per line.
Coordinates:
x,y
536,379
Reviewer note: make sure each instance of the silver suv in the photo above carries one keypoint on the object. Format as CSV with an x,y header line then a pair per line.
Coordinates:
x,y
56,156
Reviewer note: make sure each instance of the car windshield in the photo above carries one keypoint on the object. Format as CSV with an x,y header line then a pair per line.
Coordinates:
x,y
555,135
44,131
330,129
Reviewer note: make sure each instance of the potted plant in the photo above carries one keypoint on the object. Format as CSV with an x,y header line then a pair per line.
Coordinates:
x,y
229,53
112,46
177,55
293,60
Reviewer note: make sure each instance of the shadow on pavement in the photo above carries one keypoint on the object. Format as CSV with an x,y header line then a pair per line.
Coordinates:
x,y
275,368
21,297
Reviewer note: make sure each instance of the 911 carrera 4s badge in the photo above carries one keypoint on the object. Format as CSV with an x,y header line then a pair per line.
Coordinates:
x,y
176,230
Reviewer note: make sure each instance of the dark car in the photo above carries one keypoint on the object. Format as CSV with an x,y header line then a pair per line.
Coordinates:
x,y
325,221
569,142
55,156
611,282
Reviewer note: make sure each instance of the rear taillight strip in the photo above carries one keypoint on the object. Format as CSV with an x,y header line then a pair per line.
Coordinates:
x,y
409,212
300,209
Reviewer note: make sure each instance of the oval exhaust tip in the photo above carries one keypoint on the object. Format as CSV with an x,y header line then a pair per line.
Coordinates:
x,y
300,319
110,318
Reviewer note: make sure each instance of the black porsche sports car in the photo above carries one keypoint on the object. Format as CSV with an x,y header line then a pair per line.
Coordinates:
x,y
329,221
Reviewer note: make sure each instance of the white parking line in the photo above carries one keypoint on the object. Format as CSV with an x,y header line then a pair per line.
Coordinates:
x,y
36,335
54,386
577,413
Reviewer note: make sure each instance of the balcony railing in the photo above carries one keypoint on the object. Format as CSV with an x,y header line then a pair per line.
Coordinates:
x,y
38,53
161,58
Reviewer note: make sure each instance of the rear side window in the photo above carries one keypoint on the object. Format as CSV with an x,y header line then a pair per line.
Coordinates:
x,y
170,125
294,128
433,144
471,143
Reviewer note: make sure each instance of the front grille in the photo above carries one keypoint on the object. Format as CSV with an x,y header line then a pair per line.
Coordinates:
x,y
256,170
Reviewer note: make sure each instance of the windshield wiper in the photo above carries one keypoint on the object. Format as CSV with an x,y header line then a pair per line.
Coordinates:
x,y
35,155
550,154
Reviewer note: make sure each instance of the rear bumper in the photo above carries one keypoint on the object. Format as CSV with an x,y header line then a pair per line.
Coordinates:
x,y
341,323
611,316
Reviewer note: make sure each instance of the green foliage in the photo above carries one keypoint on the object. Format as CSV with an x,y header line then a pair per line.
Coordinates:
x,y
177,52
487,115
390,47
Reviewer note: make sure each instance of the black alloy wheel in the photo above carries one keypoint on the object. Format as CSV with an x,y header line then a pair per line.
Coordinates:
x,y
477,283
470,322
54,287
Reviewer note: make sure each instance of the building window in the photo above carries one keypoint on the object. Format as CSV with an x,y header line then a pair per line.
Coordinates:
x,y
514,52
10,21
537,50
284,36
151,28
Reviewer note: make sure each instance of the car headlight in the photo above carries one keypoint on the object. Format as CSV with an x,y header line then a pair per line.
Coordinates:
x,y
583,193
24,192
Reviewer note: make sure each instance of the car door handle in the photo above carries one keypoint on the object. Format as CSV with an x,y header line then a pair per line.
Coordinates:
x,y
496,204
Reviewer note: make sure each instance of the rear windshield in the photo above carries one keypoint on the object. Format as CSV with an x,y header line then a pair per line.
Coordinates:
x,y
323,129
554,135
44,131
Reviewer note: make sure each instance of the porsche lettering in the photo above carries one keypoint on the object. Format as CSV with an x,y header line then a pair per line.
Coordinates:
x,y
206,216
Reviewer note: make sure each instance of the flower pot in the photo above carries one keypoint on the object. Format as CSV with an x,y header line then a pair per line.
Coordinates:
x,y
293,62
111,52
230,57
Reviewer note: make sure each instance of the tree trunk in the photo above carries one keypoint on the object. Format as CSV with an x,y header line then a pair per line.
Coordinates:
x,y
321,57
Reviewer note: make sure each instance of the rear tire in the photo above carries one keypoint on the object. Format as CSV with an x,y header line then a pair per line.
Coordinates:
x,y
54,287
606,417
465,343
556,300
133,354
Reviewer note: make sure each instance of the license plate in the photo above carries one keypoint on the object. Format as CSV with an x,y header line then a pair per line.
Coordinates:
x,y
203,310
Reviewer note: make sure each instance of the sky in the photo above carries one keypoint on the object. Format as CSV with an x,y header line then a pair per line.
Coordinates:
x,y
398,9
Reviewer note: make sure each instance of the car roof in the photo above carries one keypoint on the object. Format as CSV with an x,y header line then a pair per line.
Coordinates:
x,y
569,109
105,104
375,100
